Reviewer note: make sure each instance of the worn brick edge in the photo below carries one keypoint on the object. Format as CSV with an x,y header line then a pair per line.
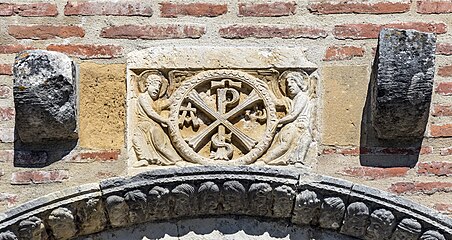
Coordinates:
x,y
326,186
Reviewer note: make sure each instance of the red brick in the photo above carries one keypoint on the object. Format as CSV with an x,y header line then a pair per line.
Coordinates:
x,y
349,151
36,10
6,69
105,174
5,92
429,6
6,9
369,30
271,31
328,151
444,88
88,51
105,155
29,10
443,207
441,130
444,48
6,134
108,8
14,48
39,177
275,9
358,7
7,156
435,168
334,53
170,31
445,71
442,110
421,187
8,199
353,151
446,151
42,32
425,150
372,173
7,113
168,9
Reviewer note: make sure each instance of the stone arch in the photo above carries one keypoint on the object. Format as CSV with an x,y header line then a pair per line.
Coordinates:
x,y
293,196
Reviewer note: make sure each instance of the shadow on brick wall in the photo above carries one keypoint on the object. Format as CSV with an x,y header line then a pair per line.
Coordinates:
x,y
375,152
41,155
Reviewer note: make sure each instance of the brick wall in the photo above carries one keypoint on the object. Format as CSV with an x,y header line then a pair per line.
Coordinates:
x,y
339,36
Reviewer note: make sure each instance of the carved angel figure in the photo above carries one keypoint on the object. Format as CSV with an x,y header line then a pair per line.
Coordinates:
x,y
152,145
295,133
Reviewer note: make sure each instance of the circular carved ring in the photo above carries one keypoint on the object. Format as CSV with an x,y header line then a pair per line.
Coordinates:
x,y
192,93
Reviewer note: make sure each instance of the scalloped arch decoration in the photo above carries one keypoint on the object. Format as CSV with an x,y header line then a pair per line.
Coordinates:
x,y
298,198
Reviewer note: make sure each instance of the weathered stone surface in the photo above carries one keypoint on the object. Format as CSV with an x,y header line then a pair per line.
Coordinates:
x,y
91,215
343,102
118,211
45,96
402,83
102,103
32,228
306,209
218,57
216,228
356,220
340,208
220,116
62,223
8,235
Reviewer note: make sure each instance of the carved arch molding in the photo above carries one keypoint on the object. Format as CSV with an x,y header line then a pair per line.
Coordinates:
x,y
291,197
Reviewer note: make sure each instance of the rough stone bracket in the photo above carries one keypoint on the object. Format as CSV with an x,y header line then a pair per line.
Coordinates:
x,y
45,97
402,83
291,195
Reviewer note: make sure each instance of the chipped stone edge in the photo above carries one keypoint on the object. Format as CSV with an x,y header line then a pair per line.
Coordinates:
x,y
49,202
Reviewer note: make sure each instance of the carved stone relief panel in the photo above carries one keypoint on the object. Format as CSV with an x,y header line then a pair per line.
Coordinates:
x,y
224,115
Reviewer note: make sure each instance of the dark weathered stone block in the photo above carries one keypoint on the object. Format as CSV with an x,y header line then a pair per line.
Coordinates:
x,y
402,83
45,96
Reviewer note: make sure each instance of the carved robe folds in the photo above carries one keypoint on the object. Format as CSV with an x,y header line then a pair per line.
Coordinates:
x,y
225,116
